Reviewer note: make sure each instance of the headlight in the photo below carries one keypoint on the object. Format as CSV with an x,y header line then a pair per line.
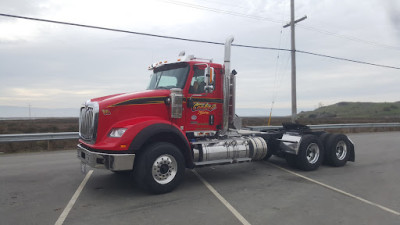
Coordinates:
x,y
117,132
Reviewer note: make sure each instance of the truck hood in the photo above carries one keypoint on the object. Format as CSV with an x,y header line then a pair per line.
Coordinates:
x,y
143,97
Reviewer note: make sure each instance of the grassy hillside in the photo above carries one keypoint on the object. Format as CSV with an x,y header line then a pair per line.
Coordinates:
x,y
355,110
44,125
38,126
343,112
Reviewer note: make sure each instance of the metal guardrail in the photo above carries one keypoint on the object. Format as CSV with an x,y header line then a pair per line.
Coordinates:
x,y
332,126
38,136
75,135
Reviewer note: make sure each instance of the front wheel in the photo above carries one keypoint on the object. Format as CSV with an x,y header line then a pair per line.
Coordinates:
x,y
160,168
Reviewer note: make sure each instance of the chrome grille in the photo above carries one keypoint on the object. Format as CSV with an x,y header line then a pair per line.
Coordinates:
x,y
88,122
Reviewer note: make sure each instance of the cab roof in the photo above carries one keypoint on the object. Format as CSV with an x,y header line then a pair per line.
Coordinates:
x,y
181,58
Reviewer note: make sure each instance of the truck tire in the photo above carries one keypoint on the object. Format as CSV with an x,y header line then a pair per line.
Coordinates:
x,y
324,137
338,150
311,153
268,155
324,141
159,168
291,160
272,148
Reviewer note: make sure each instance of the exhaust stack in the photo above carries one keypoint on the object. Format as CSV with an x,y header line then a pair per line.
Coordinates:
x,y
228,98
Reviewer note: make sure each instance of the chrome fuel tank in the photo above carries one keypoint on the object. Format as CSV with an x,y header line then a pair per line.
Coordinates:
x,y
229,150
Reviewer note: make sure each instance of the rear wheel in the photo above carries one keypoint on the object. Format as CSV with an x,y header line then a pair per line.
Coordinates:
x,y
291,160
338,150
272,146
324,139
310,153
160,168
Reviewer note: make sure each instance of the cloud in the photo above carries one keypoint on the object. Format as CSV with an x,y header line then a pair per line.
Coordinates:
x,y
22,6
56,65
393,13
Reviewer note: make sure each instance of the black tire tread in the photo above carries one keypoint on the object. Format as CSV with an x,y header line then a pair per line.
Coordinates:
x,y
144,161
301,160
331,150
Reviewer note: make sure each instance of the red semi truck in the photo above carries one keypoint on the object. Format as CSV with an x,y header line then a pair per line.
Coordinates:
x,y
185,119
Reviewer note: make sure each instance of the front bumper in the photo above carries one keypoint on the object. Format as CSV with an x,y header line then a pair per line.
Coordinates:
x,y
113,162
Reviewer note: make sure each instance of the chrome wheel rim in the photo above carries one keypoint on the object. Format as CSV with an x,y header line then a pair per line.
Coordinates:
x,y
312,153
164,169
341,150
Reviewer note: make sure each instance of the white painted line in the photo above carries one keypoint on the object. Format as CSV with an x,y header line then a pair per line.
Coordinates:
x,y
339,191
223,200
71,202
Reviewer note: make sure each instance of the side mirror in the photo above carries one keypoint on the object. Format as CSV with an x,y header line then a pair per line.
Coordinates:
x,y
209,79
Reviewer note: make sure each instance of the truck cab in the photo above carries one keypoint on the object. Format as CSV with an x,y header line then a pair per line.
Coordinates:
x,y
199,82
182,103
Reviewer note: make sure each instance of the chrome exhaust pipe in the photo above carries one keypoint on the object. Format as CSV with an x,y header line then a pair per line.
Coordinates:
x,y
226,88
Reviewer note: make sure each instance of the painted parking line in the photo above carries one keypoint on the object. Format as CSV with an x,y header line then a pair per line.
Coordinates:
x,y
339,191
223,200
71,202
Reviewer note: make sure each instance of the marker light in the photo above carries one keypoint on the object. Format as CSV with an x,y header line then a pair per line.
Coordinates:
x,y
117,132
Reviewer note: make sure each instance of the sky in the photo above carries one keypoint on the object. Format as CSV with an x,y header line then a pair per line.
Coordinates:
x,y
57,66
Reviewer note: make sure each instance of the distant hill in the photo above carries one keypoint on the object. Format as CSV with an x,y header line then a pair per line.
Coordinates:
x,y
259,112
355,110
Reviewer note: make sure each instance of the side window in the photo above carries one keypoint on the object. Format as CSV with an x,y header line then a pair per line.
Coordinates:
x,y
197,84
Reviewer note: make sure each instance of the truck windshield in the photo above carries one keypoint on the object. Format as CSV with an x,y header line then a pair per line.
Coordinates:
x,y
169,76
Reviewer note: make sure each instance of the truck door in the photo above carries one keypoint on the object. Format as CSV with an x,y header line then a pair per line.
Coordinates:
x,y
204,110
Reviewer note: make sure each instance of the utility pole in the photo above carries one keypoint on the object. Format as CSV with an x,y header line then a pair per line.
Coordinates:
x,y
293,57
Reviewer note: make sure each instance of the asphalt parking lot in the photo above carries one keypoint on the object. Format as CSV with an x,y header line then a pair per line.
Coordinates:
x,y
37,188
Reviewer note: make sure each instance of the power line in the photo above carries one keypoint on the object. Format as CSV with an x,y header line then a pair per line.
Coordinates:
x,y
348,60
351,38
241,6
193,40
244,15
232,13
107,29
320,55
